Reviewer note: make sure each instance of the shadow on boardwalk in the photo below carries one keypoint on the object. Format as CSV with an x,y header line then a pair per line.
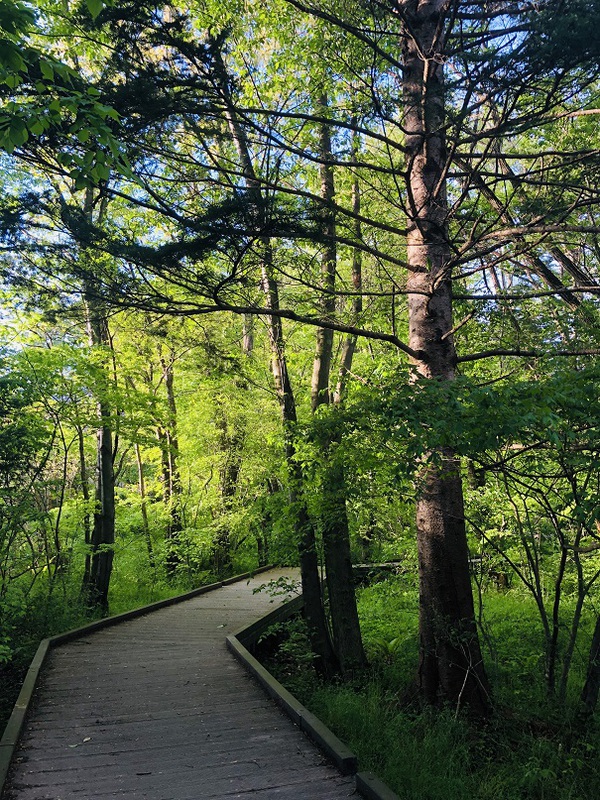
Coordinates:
x,y
157,708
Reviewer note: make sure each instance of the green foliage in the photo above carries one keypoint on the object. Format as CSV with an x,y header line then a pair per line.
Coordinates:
x,y
564,34
282,587
426,758
477,418
22,432
132,191
531,749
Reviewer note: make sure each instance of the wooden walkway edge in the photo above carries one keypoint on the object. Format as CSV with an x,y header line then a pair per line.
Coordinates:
x,y
12,732
368,785
155,708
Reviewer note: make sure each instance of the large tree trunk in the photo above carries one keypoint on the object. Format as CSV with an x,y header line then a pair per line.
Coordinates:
x,y
451,667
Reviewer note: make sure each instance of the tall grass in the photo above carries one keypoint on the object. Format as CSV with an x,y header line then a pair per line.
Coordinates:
x,y
531,749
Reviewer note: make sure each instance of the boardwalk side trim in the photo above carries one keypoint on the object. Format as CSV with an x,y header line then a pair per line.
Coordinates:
x,y
12,732
372,788
367,784
338,752
16,720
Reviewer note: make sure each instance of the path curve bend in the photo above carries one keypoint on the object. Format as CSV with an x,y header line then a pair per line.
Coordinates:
x,y
155,708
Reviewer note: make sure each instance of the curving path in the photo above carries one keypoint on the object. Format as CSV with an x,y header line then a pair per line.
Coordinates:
x,y
156,708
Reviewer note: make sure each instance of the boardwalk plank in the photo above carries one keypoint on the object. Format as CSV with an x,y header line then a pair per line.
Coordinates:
x,y
167,714
209,748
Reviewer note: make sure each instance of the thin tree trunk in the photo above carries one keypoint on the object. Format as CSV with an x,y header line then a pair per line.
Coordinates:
x,y
552,649
143,505
231,443
314,612
451,665
589,695
59,563
103,530
324,340
165,472
575,622
103,535
345,624
248,335
87,528
340,578
349,344
171,470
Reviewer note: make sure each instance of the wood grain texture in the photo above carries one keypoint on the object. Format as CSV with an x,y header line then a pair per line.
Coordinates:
x,y
157,709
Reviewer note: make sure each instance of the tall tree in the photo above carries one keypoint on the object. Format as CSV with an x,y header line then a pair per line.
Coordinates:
x,y
334,515
446,222
97,581
451,665
169,442
327,660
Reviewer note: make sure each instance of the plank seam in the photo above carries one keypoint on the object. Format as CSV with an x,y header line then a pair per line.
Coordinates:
x,y
14,727
367,784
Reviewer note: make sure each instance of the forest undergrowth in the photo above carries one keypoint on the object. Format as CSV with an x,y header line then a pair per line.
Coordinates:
x,y
531,748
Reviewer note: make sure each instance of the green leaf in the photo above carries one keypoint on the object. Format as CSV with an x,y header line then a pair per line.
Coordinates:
x,y
36,126
66,159
100,172
18,132
10,55
12,81
94,7
81,181
6,143
47,70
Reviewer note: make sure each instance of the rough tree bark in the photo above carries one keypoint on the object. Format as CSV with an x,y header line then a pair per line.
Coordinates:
x,y
451,666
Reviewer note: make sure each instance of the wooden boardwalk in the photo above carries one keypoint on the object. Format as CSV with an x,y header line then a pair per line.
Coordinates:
x,y
157,708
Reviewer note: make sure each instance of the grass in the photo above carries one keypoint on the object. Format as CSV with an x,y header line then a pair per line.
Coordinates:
x,y
531,749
